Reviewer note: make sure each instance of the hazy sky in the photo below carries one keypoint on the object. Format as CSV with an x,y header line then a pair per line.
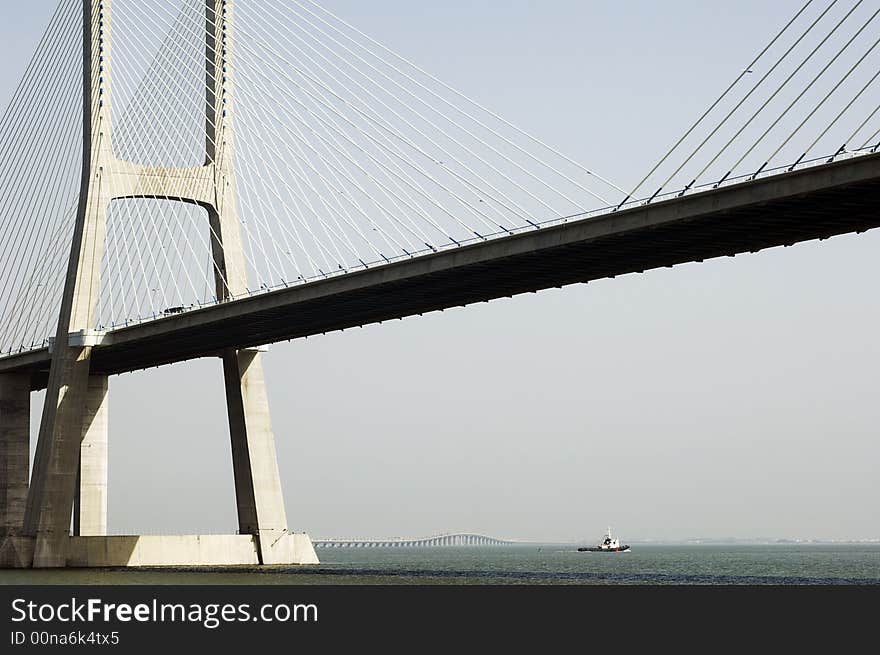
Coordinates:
x,y
737,397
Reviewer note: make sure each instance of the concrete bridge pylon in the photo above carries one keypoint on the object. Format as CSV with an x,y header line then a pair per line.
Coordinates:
x,y
69,478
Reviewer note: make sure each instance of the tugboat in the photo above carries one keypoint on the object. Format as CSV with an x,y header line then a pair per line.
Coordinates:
x,y
609,545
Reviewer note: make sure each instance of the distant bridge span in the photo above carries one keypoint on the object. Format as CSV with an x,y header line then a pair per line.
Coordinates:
x,y
438,541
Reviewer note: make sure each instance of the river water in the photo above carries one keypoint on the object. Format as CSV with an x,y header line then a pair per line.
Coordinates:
x,y
524,564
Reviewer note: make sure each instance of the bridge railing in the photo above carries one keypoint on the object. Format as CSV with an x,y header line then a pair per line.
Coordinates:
x,y
595,213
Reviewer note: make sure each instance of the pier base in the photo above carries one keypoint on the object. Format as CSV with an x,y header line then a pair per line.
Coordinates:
x,y
161,551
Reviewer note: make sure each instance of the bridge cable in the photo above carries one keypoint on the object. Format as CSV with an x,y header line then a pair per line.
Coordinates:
x,y
384,126
837,118
457,93
742,101
168,54
871,138
23,237
480,215
300,132
446,117
773,96
804,92
705,114
862,126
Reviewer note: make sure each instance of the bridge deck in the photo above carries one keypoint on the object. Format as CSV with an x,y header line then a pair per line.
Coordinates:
x,y
785,209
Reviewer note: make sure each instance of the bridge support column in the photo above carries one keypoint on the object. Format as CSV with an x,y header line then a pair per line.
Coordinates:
x,y
15,391
53,483
54,480
258,493
15,416
90,501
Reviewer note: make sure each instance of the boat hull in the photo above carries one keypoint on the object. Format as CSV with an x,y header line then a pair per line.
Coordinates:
x,y
596,549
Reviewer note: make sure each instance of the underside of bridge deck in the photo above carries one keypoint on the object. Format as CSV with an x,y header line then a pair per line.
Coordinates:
x,y
781,210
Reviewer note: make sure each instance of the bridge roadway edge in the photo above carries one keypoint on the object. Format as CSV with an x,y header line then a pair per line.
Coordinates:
x,y
780,210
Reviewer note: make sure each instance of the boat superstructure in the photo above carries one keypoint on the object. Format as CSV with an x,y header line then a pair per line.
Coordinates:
x,y
610,544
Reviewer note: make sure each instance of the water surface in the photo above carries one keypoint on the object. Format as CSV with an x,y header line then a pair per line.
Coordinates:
x,y
523,564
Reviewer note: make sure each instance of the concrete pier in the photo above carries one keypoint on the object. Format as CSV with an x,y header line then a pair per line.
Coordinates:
x,y
71,465
15,417
90,501
57,462
258,494
15,394
70,470
53,483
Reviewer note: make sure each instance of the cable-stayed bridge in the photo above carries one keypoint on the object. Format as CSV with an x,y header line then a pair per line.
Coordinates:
x,y
771,212
199,178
